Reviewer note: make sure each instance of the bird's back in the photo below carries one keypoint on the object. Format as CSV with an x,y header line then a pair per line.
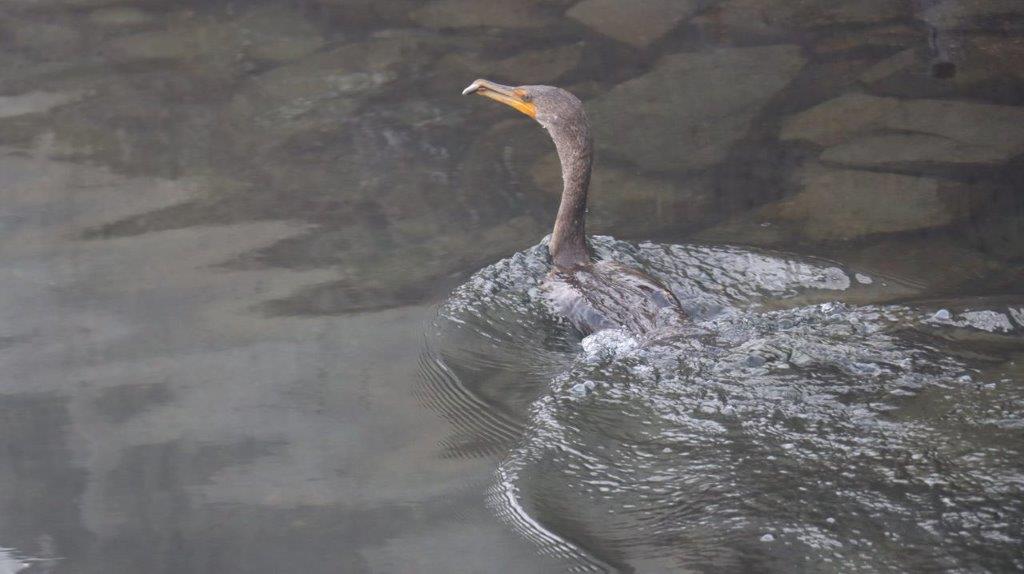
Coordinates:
x,y
608,295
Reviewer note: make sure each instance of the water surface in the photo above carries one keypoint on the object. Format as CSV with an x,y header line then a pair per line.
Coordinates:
x,y
242,330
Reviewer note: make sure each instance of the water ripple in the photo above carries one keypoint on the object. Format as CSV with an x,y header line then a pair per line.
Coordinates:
x,y
781,426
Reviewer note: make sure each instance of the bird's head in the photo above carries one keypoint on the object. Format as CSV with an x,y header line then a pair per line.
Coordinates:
x,y
552,107
562,115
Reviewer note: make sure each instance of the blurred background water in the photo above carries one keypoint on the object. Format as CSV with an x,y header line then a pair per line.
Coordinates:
x,y
226,226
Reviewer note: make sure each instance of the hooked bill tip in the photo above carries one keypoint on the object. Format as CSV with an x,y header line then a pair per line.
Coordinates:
x,y
471,88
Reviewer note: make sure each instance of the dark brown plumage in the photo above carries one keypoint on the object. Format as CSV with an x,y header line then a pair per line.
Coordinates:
x,y
592,295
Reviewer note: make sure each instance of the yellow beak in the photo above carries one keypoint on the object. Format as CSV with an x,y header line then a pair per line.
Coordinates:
x,y
507,95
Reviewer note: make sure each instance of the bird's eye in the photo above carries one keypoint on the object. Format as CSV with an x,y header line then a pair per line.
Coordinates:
x,y
523,95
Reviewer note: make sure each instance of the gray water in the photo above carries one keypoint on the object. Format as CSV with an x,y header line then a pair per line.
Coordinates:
x,y
269,288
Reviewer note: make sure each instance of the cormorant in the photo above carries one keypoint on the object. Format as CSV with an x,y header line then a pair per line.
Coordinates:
x,y
593,295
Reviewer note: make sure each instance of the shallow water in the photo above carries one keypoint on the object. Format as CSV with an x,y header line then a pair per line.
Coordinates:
x,y
269,288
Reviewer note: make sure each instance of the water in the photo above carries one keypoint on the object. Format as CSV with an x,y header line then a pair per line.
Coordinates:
x,y
270,288
822,434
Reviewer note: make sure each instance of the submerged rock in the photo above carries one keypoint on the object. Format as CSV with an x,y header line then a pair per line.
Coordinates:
x,y
775,16
187,42
989,58
271,34
316,94
1000,128
884,36
1000,232
844,204
960,15
348,71
54,39
890,148
714,98
277,34
836,120
529,67
928,130
369,14
636,23
889,66
476,13
121,16
35,103
63,3
629,202
422,255
499,168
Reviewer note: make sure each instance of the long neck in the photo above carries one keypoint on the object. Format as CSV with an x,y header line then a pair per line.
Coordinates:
x,y
568,244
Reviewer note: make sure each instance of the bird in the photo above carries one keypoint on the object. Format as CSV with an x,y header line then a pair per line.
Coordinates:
x,y
592,294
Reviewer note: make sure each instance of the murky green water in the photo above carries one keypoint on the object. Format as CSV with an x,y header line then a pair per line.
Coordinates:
x,y
227,230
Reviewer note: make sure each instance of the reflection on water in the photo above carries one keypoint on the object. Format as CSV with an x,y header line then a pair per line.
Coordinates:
x,y
224,224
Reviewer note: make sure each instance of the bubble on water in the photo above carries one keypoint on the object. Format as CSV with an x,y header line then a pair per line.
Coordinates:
x,y
769,537
609,344
986,320
583,389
